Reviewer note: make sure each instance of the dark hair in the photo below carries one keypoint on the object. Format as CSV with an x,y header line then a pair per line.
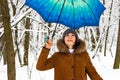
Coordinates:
x,y
71,31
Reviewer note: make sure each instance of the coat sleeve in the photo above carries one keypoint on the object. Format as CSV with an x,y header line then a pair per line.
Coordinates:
x,y
90,69
43,62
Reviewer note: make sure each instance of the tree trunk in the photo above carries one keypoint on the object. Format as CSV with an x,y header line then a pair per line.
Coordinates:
x,y
107,31
117,57
17,48
16,35
104,2
0,17
26,42
9,42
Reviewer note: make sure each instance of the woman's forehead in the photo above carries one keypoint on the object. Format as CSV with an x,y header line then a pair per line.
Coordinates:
x,y
70,33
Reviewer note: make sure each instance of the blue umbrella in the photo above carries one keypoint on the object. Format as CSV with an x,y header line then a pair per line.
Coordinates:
x,y
71,13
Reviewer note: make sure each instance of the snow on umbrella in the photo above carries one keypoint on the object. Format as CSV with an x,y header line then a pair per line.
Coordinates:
x,y
71,13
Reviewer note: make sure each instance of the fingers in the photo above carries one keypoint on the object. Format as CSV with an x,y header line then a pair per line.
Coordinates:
x,y
49,44
50,41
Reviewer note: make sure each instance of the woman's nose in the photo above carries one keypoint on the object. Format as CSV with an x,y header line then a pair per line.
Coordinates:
x,y
70,36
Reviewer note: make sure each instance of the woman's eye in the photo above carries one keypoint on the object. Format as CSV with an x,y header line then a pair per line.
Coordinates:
x,y
73,35
67,35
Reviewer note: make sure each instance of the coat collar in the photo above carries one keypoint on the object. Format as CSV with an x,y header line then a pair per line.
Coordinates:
x,y
63,48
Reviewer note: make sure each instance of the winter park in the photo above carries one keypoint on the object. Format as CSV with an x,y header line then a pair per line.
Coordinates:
x,y
59,39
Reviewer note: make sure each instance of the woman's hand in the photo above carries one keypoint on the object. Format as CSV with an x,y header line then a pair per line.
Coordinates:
x,y
49,44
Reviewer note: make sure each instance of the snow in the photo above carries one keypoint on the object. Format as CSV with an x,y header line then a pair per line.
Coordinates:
x,y
3,72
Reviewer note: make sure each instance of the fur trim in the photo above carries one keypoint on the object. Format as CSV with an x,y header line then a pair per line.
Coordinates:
x,y
63,48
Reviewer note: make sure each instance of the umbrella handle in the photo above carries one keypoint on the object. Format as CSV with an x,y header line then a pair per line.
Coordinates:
x,y
46,38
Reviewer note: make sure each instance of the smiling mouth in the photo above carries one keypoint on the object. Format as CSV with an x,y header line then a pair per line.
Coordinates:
x,y
70,40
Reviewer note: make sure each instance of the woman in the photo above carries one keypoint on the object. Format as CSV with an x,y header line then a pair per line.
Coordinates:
x,y
72,62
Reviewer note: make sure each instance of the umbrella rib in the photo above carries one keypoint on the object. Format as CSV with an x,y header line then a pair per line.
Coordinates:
x,y
73,12
52,10
91,10
61,10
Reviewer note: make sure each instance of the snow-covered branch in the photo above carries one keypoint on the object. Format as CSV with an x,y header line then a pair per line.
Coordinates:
x,y
21,17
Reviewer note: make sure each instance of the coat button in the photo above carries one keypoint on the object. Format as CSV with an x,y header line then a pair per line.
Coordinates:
x,y
72,66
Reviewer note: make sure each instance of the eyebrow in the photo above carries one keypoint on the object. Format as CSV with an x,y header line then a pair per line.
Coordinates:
x,y
69,33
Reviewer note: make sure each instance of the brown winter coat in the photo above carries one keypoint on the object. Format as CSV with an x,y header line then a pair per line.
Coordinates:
x,y
68,66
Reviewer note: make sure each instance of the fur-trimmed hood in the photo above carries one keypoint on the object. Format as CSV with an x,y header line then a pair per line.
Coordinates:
x,y
63,48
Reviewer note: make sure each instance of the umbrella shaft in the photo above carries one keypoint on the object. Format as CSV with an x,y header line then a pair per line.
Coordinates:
x,y
58,18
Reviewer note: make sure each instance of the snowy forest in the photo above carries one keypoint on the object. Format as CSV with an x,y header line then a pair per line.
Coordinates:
x,y
23,33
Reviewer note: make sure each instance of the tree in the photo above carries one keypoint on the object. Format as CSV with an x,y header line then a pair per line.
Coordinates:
x,y
117,57
26,43
8,39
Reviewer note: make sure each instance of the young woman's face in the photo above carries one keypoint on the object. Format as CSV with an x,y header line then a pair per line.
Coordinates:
x,y
70,39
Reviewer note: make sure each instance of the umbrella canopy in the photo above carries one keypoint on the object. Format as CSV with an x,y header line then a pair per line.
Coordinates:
x,y
71,13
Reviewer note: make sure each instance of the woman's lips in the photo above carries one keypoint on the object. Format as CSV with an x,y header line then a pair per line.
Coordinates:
x,y
70,40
